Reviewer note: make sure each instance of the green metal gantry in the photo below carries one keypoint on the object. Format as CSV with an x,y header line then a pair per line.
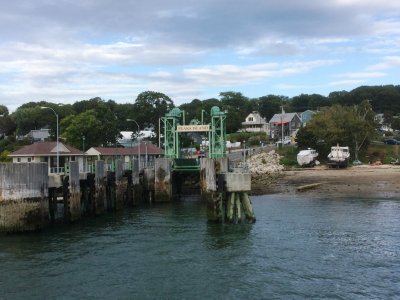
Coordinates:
x,y
217,133
216,136
171,137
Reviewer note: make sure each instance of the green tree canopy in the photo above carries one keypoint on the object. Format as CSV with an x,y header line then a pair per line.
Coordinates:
x,y
238,107
271,105
150,106
351,126
97,129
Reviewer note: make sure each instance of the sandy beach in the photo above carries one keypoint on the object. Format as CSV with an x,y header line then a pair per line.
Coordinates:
x,y
380,181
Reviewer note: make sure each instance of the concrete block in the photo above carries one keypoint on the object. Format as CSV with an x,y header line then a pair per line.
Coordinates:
x,y
238,182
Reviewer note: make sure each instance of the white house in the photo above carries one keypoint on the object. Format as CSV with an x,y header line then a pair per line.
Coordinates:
x,y
38,134
47,152
255,123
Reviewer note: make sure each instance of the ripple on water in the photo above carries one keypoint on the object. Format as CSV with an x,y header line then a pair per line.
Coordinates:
x,y
298,248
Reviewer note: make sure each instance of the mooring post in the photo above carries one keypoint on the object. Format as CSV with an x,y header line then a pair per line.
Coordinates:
x,y
208,183
239,183
100,187
74,194
137,189
148,184
162,180
24,205
121,185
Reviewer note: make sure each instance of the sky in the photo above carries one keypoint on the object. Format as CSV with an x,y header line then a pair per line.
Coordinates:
x,y
64,51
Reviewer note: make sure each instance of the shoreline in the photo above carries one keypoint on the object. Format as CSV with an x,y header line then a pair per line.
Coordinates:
x,y
370,181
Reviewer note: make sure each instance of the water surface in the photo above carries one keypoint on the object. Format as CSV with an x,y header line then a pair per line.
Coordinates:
x,y
298,248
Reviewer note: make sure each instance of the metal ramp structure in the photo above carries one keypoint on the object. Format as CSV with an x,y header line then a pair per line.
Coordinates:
x,y
174,126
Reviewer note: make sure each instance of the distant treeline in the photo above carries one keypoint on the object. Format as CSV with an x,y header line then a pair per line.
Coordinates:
x,y
100,121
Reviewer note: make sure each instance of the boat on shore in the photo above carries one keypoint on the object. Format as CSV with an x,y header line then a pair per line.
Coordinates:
x,y
307,158
339,156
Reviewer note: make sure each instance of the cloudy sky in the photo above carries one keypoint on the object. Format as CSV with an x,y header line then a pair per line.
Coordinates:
x,y
68,50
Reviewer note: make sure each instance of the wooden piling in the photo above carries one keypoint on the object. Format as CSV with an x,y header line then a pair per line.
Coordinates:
x,y
162,183
148,184
230,207
248,208
100,187
121,186
238,210
73,207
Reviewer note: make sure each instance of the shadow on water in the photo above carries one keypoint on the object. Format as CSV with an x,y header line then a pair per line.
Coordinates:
x,y
220,236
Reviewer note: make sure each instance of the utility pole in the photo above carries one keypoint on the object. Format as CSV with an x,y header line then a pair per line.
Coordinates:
x,y
282,124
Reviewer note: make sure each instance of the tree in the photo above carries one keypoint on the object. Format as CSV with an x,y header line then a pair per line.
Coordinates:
x,y
352,126
237,106
192,110
97,128
304,102
7,125
3,110
150,106
271,105
361,125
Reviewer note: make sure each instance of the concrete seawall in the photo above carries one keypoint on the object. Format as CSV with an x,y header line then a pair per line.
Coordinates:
x,y
23,197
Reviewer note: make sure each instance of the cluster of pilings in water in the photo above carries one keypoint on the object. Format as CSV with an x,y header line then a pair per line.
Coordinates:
x,y
226,192
30,198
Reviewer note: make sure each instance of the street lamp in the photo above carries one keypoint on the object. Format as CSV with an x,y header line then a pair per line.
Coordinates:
x,y
131,120
58,154
83,146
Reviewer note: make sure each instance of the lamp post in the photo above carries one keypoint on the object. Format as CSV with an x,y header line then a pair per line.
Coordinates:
x,y
58,154
131,120
84,162
282,124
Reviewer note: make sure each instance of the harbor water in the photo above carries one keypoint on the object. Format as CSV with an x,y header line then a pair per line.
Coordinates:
x,y
299,248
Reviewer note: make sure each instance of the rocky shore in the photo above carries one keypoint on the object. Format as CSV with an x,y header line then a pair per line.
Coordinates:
x,y
370,181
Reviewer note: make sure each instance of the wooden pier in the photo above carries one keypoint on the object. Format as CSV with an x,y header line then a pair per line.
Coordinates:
x,y
30,197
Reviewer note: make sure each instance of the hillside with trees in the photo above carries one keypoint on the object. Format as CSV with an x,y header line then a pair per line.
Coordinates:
x,y
100,121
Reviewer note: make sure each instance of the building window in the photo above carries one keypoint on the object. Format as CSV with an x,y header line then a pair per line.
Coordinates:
x,y
18,159
29,159
251,119
72,158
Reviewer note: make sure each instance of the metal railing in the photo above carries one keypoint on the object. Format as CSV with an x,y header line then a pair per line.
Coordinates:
x,y
55,170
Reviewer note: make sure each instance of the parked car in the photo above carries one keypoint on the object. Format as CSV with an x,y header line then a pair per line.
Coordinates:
x,y
286,141
392,142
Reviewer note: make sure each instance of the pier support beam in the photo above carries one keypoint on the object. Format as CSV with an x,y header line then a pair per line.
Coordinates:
x,y
100,187
209,193
162,183
72,199
148,184
225,192
121,186
23,197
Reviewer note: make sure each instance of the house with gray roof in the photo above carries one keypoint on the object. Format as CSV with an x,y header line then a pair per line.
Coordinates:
x,y
288,122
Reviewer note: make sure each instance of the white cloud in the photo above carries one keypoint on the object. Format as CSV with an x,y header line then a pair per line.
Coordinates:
x,y
116,49
346,82
387,62
361,75
238,74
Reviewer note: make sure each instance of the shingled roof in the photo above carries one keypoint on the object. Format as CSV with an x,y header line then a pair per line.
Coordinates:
x,y
150,149
46,149
285,118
